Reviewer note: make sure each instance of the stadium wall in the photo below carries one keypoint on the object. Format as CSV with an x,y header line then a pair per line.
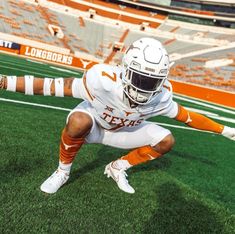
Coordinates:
x,y
114,11
53,56
216,13
208,94
41,51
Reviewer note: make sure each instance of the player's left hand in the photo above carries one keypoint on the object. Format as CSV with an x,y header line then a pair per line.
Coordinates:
x,y
229,133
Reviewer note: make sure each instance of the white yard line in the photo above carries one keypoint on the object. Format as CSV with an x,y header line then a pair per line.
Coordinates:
x,y
35,61
212,115
65,70
34,104
204,104
68,110
27,71
177,126
176,96
12,66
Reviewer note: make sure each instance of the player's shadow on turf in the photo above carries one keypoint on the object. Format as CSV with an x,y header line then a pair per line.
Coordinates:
x,y
17,168
104,156
193,157
162,163
179,213
107,154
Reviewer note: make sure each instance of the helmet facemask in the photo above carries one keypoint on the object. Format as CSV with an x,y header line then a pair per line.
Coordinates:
x,y
140,87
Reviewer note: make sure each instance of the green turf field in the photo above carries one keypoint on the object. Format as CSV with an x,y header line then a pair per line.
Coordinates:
x,y
189,190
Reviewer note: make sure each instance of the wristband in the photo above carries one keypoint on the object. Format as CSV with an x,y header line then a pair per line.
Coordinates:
x,y
11,83
59,87
47,86
29,85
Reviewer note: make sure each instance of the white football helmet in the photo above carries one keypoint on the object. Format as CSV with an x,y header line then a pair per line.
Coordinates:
x,y
146,66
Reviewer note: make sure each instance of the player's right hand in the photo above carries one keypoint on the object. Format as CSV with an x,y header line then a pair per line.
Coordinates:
x,y
229,133
2,81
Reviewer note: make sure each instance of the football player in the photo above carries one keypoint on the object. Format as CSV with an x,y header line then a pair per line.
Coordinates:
x,y
117,102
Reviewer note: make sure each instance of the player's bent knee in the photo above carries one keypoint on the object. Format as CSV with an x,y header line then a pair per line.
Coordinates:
x,y
165,145
79,124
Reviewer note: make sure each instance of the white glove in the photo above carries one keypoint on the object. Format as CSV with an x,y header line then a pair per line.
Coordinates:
x,y
229,133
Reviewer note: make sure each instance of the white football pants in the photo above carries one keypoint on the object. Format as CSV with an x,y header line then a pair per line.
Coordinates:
x,y
126,138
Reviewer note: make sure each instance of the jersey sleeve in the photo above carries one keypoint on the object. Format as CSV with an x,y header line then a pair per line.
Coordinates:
x,y
85,88
165,105
171,109
78,90
97,82
91,82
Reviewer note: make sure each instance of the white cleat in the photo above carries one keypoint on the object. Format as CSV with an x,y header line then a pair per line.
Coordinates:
x,y
119,176
229,133
55,181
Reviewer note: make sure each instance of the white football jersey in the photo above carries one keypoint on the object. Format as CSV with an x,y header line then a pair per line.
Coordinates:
x,y
103,89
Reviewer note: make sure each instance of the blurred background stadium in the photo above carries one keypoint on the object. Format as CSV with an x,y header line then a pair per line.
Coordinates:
x,y
198,35
190,190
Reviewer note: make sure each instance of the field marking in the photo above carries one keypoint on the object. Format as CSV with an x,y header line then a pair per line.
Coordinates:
x,y
34,104
66,109
174,95
28,72
202,111
204,104
33,68
180,127
65,70
21,64
34,61
212,115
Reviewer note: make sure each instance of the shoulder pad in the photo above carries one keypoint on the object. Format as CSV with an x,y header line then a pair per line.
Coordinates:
x,y
167,85
164,96
102,76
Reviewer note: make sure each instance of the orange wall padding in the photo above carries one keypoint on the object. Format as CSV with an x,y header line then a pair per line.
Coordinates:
x,y
207,94
9,50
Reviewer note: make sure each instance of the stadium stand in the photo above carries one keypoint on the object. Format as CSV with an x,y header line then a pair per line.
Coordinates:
x,y
25,20
216,69
80,27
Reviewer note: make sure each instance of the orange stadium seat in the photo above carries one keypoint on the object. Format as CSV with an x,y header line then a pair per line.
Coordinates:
x,y
81,21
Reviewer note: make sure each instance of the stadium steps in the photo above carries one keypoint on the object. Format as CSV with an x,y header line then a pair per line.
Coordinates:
x,y
51,19
113,52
